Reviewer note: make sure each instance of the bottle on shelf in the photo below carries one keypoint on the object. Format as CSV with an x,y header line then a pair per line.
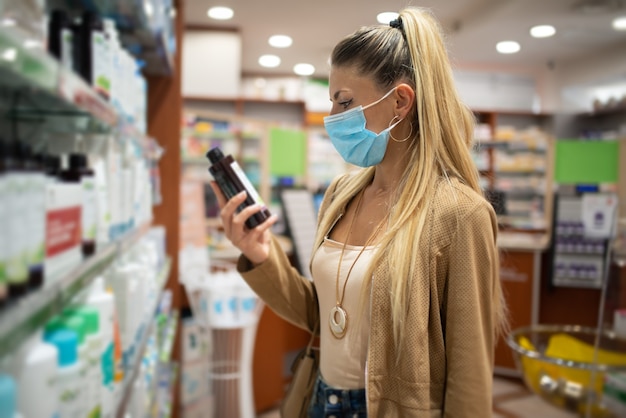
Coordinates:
x,y
92,53
104,301
61,38
93,354
70,390
232,180
37,368
34,208
16,261
79,172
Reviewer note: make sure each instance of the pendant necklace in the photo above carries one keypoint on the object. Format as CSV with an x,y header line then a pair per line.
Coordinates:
x,y
338,318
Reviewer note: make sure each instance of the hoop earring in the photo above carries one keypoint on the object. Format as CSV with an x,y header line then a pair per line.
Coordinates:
x,y
407,137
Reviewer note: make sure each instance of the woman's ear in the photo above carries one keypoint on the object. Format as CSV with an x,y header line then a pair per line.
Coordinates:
x,y
405,99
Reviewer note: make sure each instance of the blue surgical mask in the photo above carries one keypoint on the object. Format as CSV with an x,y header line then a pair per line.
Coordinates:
x,y
354,142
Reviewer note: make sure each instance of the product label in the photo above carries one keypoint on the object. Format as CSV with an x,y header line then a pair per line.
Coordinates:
x,y
246,183
63,230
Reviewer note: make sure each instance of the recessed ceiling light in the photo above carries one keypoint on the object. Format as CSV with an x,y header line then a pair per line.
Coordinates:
x,y
542,31
280,41
269,61
619,23
303,69
220,13
507,47
386,17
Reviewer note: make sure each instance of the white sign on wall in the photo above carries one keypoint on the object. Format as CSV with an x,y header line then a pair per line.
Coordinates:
x,y
501,91
211,64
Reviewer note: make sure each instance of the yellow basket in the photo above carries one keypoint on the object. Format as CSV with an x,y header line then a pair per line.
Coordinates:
x,y
559,363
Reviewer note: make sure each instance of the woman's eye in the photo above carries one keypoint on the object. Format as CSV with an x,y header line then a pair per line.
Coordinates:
x,y
345,103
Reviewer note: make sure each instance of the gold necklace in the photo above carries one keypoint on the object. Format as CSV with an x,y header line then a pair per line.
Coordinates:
x,y
338,317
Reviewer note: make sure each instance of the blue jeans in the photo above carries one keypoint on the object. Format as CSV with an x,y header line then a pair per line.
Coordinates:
x,y
328,402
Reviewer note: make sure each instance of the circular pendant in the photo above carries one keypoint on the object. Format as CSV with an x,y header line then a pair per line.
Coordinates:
x,y
338,320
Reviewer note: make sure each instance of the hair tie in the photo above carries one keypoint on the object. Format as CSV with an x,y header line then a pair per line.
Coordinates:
x,y
397,23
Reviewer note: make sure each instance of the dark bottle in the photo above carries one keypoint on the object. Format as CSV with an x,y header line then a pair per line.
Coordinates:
x,y
79,172
60,38
52,166
231,180
90,46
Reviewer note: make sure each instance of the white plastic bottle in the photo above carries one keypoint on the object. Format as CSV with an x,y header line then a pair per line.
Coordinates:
x,y
104,302
91,356
36,373
69,380
76,324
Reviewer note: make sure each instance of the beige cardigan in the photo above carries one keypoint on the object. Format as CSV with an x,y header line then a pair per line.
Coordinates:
x,y
446,367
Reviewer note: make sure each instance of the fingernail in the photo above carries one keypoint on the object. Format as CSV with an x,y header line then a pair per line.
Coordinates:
x,y
241,193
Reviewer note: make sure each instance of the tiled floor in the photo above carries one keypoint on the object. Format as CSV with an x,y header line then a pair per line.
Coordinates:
x,y
511,399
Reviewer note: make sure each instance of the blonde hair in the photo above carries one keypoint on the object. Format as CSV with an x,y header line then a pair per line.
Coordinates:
x,y
443,127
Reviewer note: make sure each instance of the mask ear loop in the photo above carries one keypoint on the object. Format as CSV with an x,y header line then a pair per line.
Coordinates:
x,y
399,120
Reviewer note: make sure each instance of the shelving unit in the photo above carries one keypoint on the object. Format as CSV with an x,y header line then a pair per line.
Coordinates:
x,y
513,152
38,95
146,29
20,320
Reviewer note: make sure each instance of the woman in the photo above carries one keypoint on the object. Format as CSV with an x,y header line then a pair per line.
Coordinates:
x,y
405,265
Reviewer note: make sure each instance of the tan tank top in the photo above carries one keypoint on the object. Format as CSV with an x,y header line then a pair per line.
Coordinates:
x,y
342,361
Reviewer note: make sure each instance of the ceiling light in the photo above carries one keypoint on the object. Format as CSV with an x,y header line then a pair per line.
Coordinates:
x,y
386,17
542,31
619,23
220,13
280,41
303,69
269,61
507,47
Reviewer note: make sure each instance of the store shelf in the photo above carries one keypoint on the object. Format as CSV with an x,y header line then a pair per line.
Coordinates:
x,y
146,28
37,88
20,320
127,389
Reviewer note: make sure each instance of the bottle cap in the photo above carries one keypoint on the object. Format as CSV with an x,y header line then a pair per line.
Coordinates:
x,y
78,161
214,155
67,342
90,316
77,324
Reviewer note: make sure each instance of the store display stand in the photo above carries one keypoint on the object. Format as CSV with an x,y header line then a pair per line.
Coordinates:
x,y
229,317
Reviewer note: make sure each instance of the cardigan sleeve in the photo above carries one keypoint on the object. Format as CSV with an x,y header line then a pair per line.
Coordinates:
x,y
280,285
469,318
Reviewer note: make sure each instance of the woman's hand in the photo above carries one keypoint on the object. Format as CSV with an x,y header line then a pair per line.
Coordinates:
x,y
253,243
